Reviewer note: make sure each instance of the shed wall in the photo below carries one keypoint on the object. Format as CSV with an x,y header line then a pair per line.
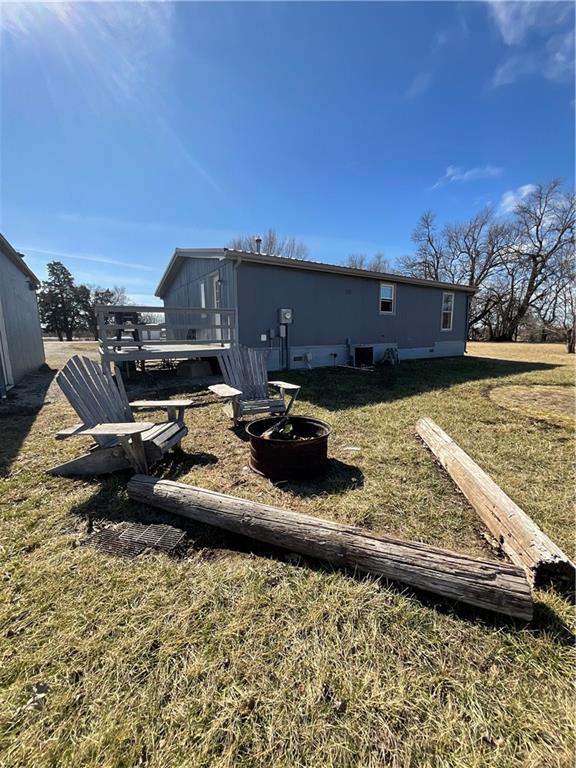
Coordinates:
x,y
21,320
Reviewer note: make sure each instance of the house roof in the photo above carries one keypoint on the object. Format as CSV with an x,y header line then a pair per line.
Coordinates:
x,y
18,260
290,263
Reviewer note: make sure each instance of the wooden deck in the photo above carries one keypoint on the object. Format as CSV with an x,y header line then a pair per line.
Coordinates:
x,y
138,333
150,351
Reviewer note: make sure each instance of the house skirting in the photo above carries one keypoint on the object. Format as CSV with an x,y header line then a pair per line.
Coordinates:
x,y
325,356
439,349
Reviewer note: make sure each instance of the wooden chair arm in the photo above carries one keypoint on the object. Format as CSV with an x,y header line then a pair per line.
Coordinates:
x,y
224,390
69,431
159,404
283,385
117,429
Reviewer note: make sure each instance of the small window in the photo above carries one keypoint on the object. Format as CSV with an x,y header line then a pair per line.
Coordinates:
x,y
447,311
386,298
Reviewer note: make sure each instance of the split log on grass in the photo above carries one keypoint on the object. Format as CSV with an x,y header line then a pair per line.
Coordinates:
x,y
516,534
498,587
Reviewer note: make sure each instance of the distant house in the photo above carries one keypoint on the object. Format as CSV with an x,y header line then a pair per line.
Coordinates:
x,y
313,314
21,347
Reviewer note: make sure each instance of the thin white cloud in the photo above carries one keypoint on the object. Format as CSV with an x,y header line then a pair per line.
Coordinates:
x,y
441,38
512,197
419,85
556,63
85,257
560,50
514,19
551,50
454,173
455,32
183,234
127,281
512,69
145,299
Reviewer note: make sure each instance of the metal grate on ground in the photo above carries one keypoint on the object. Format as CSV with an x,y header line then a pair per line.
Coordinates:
x,y
108,540
132,540
162,537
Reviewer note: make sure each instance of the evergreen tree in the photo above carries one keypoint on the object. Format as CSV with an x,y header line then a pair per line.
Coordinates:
x,y
60,311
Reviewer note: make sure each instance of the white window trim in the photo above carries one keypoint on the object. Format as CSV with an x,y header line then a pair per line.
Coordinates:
x,y
442,310
393,310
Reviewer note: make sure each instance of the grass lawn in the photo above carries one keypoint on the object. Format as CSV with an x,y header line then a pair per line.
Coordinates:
x,y
238,655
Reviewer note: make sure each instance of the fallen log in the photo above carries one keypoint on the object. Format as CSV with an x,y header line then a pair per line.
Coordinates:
x,y
514,532
490,585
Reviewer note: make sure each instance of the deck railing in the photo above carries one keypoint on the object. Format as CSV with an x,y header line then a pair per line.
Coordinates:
x,y
135,326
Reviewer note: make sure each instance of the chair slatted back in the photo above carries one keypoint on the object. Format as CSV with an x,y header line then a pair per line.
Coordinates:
x,y
245,369
96,395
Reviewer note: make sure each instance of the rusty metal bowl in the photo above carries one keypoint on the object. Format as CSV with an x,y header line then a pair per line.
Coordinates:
x,y
281,459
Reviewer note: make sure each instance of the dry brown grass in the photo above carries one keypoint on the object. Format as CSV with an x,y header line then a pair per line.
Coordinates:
x,y
237,656
549,403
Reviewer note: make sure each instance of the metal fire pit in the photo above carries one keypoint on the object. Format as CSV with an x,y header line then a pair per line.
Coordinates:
x,y
281,459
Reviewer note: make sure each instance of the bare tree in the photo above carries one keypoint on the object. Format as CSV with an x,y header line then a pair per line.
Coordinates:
x,y
543,239
272,244
516,264
119,296
377,263
556,311
428,261
469,253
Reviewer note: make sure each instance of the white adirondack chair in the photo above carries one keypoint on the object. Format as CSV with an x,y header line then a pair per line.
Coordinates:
x,y
100,400
246,386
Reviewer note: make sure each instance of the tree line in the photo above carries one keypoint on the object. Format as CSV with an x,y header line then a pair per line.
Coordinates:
x,y
67,309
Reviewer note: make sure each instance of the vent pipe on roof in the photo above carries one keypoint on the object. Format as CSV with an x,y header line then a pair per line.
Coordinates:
x,y
258,243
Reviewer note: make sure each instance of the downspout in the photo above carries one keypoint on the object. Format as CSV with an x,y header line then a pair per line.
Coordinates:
x,y
236,264
467,317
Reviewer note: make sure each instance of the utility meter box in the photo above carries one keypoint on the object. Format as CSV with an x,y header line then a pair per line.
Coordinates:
x,y
285,316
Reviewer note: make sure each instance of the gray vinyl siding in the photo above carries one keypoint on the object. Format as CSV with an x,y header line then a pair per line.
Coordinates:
x,y
329,309
21,320
185,291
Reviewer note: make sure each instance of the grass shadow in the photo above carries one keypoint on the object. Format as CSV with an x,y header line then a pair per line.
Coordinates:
x,y
338,478
110,505
18,413
240,432
179,462
340,388
545,623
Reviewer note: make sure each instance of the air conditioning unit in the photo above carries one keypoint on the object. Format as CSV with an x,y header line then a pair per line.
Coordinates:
x,y
363,355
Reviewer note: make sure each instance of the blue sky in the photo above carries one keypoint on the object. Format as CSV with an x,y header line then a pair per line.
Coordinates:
x,y
129,129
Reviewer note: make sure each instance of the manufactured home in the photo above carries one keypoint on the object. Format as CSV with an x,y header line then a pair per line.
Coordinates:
x,y
311,314
21,346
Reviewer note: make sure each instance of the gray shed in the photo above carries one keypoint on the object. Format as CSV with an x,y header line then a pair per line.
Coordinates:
x,y
311,314
21,347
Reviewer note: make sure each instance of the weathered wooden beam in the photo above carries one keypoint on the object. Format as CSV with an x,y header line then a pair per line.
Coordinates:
x,y
491,585
516,534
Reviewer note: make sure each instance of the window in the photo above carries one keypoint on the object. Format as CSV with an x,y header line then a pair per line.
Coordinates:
x,y
447,311
386,299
